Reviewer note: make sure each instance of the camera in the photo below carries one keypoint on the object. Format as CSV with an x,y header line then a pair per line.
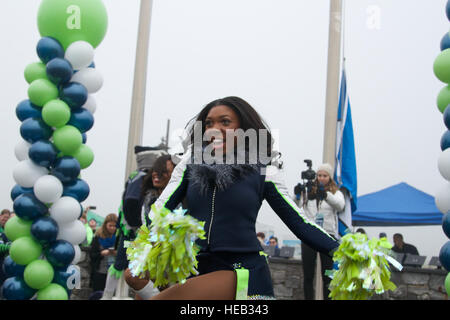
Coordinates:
x,y
309,175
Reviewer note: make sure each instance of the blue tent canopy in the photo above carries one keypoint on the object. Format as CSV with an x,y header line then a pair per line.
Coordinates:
x,y
398,205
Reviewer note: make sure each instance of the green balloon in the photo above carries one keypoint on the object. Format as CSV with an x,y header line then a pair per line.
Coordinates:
x,y
84,155
73,20
441,66
16,228
443,99
56,113
52,292
34,71
42,91
38,274
447,284
67,139
25,250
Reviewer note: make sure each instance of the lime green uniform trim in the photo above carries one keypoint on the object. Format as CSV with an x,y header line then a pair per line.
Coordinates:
x,y
179,184
242,276
114,272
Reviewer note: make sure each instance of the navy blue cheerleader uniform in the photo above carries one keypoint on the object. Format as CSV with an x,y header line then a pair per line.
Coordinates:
x,y
228,198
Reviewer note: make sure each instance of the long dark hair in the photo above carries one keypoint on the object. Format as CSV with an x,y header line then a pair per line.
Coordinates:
x,y
160,167
248,118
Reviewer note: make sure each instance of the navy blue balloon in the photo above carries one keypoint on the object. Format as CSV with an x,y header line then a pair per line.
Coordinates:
x,y
74,94
15,288
43,153
445,140
59,71
48,49
33,129
78,190
446,116
84,136
12,269
28,207
44,230
60,253
447,9
66,169
445,42
446,224
444,256
18,190
82,119
26,109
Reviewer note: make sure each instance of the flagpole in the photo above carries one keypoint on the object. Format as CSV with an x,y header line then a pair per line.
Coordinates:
x,y
331,104
332,91
136,126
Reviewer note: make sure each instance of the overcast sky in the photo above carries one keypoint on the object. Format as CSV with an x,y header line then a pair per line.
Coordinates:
x,y
274,55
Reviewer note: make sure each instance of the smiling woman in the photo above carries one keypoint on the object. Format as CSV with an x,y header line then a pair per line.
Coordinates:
x,y
227,198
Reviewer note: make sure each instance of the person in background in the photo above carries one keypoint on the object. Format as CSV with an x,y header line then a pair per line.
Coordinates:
x,y
382,235
102,252
93,225
261,237
130,213
273,242
5,244
153,185
402,247
361,230
321,204
89,233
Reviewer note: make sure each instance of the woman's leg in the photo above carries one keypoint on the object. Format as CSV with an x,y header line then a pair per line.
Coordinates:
x,y
327,264
309,269
218,285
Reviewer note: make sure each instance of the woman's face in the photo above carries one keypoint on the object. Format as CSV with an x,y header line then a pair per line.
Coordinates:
x,y
111,227
323,177
160,182
217,122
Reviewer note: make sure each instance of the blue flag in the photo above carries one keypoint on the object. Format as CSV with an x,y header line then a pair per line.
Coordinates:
x,y
345,172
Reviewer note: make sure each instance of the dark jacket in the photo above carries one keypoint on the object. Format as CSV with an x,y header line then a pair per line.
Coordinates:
x,y
230,208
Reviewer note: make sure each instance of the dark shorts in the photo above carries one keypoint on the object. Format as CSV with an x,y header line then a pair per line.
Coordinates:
x,y
259,280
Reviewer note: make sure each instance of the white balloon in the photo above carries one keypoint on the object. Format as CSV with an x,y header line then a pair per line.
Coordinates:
x,y
91,78
80,54
48,189
444,164
21,150
26,173
91,104
442,198
74,232
77,257
65,210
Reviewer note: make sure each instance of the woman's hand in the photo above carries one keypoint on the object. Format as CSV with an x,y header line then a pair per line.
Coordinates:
x,y
105,252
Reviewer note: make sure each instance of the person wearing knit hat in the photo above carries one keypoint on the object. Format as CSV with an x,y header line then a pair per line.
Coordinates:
x,y
327,168
321,205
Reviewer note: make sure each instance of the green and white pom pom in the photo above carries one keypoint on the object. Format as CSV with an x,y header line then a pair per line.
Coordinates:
x,y
363,268
167,250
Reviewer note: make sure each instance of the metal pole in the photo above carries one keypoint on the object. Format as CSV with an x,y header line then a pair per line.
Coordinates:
x,y
332,93
140,82
167,135
331,104
136,126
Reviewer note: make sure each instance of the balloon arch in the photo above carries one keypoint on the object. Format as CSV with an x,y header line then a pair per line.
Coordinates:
x,y
441,68
46,231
